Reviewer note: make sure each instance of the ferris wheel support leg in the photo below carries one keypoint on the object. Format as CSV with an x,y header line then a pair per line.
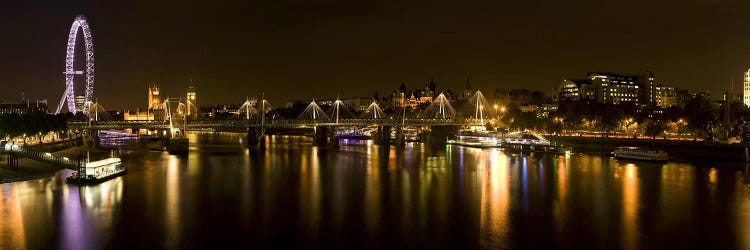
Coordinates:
x,y
62,101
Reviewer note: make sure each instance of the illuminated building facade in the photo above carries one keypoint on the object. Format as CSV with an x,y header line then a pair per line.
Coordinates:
x,y
606,87
20,108
191,100
665,96
616,88
154,99
154,110
576,89
746,89
80,101
415,97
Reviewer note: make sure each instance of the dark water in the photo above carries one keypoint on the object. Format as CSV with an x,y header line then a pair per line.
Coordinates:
x,y
364,197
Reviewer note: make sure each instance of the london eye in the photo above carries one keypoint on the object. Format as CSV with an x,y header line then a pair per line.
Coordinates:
x,y
70,72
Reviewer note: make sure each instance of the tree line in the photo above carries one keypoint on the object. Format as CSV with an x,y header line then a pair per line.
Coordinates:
x,y
699,116
31,123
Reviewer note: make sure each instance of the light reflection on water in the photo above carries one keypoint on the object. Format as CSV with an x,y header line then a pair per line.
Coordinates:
x,y
630,206
745,210
368,196
12,228
495,200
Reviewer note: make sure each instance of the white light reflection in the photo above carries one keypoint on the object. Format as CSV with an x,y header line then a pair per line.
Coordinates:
x,y
744,214
560,204
11,218
102,199
494,225
172,213
72,222
630,186
310,191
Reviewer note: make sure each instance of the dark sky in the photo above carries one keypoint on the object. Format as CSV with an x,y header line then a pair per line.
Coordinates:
x,y
319,48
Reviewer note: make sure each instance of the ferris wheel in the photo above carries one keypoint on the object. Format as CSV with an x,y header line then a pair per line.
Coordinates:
x,y
70,72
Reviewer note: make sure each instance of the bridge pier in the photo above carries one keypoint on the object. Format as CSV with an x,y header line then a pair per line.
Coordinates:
x,y
256,138
320,136
439,134
90,138
335,141
383,136
400,140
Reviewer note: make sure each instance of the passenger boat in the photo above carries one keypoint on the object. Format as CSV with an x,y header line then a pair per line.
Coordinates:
x,y
475,141
98,171
516,141
636,153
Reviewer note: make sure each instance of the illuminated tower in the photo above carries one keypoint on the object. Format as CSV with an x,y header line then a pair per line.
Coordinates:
x,y
154,100
191,101
80,102
746,89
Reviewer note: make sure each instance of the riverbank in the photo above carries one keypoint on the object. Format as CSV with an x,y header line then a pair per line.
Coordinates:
x,y
30,169
680,150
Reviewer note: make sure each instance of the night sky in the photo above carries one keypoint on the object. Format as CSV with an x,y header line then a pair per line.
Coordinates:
x,y
318,48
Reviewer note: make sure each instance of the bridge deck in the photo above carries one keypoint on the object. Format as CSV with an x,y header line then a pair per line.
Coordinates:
x,y
285,123
24,152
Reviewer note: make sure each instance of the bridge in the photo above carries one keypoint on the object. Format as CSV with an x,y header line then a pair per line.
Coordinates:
x,y
256,118
262,114
280,123
15,152
324,131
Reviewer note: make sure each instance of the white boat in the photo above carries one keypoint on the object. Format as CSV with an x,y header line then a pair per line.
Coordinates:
x,y
637,153
98,171
475,141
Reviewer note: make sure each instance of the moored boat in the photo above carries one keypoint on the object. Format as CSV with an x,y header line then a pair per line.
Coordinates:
x,y
98,171
517,141
637,153
476,141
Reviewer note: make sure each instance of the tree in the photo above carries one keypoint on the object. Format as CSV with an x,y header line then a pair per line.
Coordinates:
x,y
609,116
654,128
701,114
32,123
554,127
526,120
674,113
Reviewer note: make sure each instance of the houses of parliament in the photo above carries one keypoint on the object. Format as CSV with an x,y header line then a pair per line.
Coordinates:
x,y
157,106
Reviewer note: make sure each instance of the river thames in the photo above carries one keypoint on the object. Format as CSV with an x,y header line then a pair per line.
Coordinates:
x,y
364,196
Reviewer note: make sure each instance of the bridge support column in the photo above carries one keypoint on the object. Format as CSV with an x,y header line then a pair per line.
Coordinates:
x,y
422,135
334,138
90,138
439,134
383,136
256,138
320,136
335,141
400,140
262,139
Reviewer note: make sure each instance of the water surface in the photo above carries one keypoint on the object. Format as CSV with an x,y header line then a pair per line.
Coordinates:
x,y
366,196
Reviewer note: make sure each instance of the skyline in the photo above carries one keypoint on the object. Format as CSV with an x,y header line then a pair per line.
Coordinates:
x,y
282,48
